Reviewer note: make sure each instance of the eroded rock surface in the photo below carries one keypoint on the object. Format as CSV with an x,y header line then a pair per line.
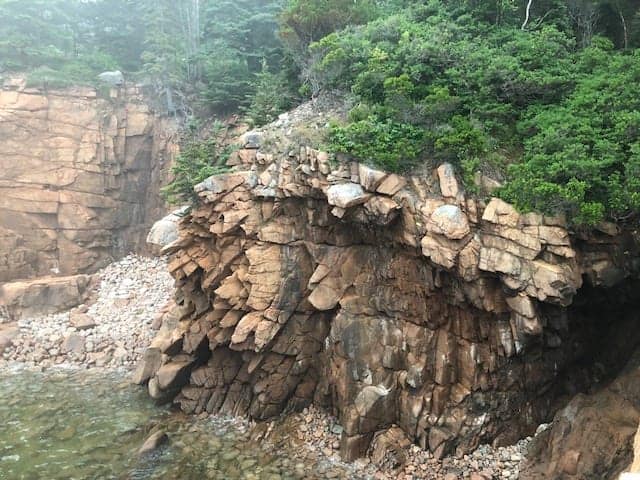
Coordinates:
x,y
79,178
593,436
388,299
44,295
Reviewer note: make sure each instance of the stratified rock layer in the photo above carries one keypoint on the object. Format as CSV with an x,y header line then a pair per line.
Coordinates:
x,y
79,178
389,299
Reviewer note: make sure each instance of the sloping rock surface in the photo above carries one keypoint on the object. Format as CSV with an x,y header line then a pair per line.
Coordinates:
x,y
593,436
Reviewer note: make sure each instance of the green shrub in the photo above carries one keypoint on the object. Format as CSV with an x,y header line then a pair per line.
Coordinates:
x,y
433,82
271,97
389,145
199,159
582,156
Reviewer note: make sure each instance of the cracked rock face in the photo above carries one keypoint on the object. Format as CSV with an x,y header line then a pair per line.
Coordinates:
x,y
388,299
80,178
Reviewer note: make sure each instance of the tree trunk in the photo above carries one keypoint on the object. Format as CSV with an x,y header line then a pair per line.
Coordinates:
x,y
528,14
624,28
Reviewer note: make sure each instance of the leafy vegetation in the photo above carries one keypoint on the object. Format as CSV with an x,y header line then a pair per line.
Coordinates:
x,y
200,157
582,156
203,54
539,94
471,84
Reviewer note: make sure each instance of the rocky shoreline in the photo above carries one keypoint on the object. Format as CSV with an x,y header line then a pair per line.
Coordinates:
x,y
113,330
394,457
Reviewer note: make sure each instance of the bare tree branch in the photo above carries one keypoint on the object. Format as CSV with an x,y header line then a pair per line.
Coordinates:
x,y
528,14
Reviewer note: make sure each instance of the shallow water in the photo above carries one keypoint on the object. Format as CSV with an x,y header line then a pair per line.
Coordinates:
x,y
83,425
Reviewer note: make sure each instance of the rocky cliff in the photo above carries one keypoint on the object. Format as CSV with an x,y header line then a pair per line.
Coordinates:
x,y
387,299
79,177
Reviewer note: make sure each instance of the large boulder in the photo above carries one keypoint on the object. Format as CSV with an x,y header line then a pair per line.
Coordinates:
x,y
7,334
165,231
347,195
448,182
44,295
593,436
115,78
450,221
153,442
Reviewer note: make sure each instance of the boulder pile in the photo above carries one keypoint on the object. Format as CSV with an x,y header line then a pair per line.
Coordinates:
x,y
113,331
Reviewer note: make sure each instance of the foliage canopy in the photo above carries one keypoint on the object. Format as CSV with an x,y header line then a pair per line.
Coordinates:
x,y
540,94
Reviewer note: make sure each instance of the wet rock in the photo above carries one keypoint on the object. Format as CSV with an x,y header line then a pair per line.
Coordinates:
x,y
153,442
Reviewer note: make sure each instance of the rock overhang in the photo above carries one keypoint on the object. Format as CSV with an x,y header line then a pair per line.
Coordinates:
x,y
310,282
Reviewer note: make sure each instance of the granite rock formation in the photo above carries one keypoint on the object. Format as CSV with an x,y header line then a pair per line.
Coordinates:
x,y
593,436
390,300
80,177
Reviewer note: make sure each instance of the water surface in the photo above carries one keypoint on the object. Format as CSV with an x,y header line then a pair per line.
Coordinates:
x,y
88,425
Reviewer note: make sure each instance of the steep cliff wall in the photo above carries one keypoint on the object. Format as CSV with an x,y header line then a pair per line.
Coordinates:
x,y
388,299
79,177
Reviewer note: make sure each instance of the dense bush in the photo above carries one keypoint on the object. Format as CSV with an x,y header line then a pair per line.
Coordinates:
x,y
307,21
582,156
390,145
548,104
431,70
199,159
432,82
272,95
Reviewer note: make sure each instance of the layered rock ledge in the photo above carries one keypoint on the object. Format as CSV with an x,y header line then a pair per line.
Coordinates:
x,y
389,300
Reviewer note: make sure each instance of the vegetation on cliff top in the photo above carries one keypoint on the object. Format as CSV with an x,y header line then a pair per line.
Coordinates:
x,y
201,156
539,94
547,106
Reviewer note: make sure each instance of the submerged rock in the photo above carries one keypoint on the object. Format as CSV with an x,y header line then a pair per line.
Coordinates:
x,y
153,442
